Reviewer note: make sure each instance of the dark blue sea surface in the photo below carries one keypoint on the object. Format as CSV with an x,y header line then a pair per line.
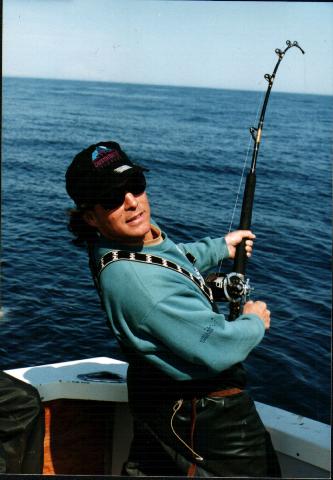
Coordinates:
x,y
195,142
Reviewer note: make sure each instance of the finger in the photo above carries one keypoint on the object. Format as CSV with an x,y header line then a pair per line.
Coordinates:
x,y
261,304
248,251
247,234
249,243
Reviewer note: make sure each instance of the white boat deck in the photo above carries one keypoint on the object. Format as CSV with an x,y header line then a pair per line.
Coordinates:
x,y
303,445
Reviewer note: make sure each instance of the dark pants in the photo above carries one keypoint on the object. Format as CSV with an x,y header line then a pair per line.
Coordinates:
x,y
226,432
21,427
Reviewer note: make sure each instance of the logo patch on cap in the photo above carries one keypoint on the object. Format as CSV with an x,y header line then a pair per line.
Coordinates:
x,y
103,156
122,169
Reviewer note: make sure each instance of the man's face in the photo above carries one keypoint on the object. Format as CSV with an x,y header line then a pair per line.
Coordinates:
x,y
129,223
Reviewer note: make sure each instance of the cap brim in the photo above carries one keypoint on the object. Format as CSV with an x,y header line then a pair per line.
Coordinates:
x,y
117,180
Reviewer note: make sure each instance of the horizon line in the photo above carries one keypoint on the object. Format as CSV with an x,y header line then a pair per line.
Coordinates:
x,y
161,85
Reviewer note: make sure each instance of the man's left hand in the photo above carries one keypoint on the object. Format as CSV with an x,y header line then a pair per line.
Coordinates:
x,y
234,238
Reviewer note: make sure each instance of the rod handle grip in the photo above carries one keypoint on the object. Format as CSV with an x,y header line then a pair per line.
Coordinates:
x,y
245,222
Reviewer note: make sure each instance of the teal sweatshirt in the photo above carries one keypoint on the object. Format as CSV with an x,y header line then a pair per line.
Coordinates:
x,y
165,317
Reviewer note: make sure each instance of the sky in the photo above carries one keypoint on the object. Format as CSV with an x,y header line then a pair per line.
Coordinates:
x,y
218,44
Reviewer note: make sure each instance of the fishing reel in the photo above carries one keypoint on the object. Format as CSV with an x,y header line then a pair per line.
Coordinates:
x,y
231,287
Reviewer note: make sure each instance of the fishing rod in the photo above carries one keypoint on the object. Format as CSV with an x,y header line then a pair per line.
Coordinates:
x,y
234,287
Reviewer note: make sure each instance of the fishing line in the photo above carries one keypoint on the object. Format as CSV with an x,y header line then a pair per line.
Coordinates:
x,y
226,253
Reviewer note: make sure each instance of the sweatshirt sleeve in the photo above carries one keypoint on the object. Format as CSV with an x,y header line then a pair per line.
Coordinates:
x,y
167,319
207,252
197,340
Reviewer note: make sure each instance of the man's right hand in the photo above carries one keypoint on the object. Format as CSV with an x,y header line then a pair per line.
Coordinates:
x,y
260,309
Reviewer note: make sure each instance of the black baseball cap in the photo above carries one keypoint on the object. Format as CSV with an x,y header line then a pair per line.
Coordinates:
x,y
98,170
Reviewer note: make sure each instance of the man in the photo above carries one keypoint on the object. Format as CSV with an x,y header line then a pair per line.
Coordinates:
x,y
21,427
191,413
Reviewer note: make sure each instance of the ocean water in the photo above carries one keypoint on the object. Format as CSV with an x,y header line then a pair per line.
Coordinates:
x,y
195,142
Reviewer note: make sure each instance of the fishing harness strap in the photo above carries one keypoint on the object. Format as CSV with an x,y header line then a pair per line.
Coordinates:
x,y
117,255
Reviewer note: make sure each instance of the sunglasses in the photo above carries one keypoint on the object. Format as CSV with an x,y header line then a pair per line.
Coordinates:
x,y
136,185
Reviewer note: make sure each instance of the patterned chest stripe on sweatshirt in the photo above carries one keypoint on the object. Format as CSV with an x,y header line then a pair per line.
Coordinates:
x,y
116,255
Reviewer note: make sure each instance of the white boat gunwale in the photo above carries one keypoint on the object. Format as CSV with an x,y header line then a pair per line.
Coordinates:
x,y
302,443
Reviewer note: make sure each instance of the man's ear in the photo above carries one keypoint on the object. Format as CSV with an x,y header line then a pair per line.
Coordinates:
x,y
90,218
